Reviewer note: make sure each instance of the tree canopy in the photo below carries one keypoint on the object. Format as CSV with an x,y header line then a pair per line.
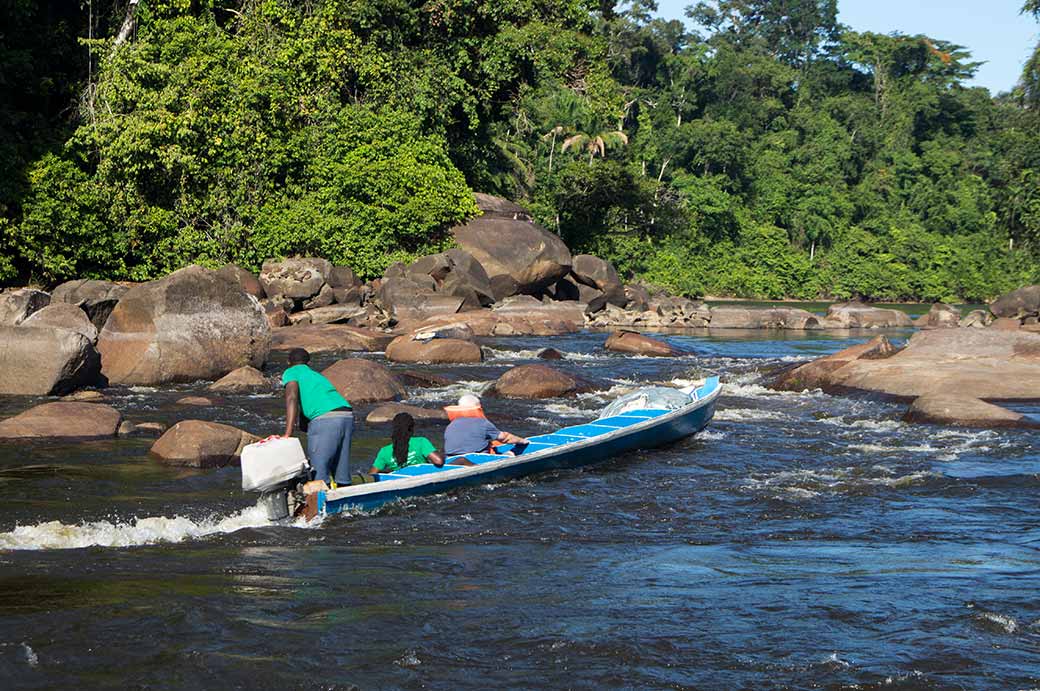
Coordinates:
x,y
769,151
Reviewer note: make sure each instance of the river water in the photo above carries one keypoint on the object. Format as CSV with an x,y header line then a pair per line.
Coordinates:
x,y
802,541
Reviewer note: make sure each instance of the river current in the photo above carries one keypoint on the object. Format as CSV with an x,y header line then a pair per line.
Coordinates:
x,y
801,541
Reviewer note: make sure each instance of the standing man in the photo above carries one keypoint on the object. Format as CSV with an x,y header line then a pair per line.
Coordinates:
x,y
323,414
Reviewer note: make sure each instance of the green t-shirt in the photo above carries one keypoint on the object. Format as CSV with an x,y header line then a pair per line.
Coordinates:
x,y
418,449
317,394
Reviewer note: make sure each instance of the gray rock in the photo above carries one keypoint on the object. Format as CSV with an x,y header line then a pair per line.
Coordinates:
x,y
43,360
299,278
61,315
1024,302
17,305
96,298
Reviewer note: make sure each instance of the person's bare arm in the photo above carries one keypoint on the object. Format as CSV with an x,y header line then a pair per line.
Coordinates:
x,y
292,407
461,460
508,438
435,458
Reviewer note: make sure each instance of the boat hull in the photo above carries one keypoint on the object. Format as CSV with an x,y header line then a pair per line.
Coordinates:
x,y
643,433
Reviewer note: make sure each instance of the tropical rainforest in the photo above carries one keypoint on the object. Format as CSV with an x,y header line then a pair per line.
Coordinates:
x,y
760,149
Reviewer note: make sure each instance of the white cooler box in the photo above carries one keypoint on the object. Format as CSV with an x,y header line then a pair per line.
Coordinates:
x,y
271,462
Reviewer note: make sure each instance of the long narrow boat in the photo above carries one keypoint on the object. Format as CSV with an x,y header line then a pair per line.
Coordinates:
x,y
570,447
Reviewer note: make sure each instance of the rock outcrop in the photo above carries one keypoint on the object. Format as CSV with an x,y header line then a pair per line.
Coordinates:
x,y
193,324
969,363
364,381
43,360
632,342
60,315
538,381
435,350
518,255
16,305
768,318
201,444
63,420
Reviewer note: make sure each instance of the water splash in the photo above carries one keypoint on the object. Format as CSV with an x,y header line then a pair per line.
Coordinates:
x,y
139,531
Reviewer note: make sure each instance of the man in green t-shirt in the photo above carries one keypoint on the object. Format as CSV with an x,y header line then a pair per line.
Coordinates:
x,y
405,450
324,414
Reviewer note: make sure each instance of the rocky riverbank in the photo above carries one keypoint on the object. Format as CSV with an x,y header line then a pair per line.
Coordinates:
x,y
508,277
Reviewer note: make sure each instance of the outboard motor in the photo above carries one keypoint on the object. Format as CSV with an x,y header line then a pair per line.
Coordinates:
x,y
275,467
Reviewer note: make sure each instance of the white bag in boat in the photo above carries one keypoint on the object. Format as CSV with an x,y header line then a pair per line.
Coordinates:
x,y
647,398
272,461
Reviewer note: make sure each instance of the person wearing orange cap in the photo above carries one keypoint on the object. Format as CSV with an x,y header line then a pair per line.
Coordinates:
x,y
470,432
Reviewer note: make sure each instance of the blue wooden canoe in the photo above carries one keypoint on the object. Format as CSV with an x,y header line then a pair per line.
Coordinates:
x,y
570,447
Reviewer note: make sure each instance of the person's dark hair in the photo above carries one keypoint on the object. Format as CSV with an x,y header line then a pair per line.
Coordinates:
x,y
299,356
403,426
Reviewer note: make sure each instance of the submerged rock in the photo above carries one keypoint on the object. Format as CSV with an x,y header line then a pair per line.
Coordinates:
x,y
63,420
632,342
241,380
201,444
953,409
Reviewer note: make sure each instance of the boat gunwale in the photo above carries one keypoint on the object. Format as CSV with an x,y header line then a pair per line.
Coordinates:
x,y
453,474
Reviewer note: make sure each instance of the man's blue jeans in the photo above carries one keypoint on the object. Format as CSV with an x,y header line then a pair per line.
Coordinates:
x,y
328,445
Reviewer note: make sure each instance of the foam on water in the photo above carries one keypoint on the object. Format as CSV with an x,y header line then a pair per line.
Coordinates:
x,y
139,531
497,354
743,414
450,392
806,483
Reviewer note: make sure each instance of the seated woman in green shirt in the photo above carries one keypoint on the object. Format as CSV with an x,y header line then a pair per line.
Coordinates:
x,y
406,450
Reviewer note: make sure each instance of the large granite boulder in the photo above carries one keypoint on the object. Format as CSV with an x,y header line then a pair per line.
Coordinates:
x,y
16,305
538,381
596,272
856,315
60,315
631,342
364,381
193,324
43,360
250,283
201,444
435,350
63,420
342,277
329,338
471,273
523,315
96,298
951,409
1018,304
940,316
517,254
299,278
384,414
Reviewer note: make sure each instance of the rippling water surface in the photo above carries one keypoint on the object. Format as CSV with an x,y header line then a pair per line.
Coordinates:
x,y
801,541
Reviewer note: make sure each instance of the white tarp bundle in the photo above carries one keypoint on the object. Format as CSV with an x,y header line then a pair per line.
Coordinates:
x,y
649,397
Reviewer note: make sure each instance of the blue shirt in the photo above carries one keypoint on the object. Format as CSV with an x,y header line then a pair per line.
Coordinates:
x,y
468,435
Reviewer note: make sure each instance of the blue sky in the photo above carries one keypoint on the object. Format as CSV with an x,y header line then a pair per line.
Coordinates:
x,y
993,30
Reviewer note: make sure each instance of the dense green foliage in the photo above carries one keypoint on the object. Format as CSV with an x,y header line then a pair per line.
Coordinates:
x,y
775,153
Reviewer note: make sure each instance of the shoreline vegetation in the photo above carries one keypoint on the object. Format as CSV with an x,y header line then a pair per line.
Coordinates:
x,y
752,152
